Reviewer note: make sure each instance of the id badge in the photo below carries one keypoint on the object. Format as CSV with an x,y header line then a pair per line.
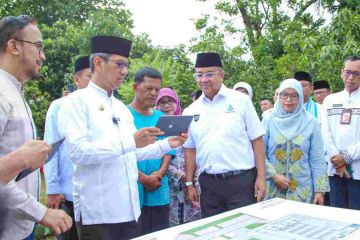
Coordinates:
x,y
346,116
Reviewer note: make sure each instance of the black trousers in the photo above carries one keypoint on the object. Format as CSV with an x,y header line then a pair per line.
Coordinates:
x,y
72,233
221,195
113,231
154,218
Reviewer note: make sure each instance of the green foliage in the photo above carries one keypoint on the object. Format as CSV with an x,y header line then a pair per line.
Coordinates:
x,y
67,27
49,12
272,43
276,43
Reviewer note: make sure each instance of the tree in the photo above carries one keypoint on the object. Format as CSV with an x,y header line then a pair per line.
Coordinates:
x,y
279,38
49,12
67,27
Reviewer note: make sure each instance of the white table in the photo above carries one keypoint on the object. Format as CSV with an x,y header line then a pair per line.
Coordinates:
x,y
269,210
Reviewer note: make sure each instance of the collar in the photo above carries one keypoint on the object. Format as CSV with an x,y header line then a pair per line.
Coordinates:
x,y
99,90
221,93
13,79
353,94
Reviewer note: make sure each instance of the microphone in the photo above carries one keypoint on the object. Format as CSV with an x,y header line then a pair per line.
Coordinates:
x,y
115,120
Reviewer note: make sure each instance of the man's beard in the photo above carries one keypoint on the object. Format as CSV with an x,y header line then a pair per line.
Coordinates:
x,y
36,75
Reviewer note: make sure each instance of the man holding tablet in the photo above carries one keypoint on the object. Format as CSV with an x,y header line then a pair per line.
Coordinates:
x,y
104,145
225,142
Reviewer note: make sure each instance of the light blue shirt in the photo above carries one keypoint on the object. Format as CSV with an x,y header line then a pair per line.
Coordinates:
x,y
58,171
313,108
162,195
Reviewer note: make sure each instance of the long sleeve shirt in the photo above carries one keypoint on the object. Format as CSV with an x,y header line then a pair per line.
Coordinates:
x,y
99,139
300,159
58,171
20,208
342,138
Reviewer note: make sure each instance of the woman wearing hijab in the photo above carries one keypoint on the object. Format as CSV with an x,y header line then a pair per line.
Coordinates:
x,y
181,210
295,165
245,88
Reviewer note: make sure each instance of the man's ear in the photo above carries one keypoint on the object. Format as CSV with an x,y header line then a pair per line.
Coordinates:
x,y
134,86
76,80
12,48
222,73
97,62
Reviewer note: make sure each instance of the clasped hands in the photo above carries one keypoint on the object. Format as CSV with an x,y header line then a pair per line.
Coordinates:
x,y
340,165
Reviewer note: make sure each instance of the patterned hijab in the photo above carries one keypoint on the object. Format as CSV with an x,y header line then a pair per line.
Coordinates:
x,y
290,124
168,92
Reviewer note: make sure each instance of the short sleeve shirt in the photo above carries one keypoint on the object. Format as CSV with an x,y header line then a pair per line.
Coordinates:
x,y
222,131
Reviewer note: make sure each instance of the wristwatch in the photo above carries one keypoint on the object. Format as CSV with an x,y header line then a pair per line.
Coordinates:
x,y
188,184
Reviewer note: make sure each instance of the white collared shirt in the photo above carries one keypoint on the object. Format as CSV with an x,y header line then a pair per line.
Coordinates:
x,y
222,131
104,156
337,136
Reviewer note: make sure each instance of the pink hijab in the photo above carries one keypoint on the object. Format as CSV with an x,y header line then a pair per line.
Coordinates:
x,y
168,92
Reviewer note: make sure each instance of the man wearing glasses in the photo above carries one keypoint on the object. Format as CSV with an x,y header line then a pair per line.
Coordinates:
x,y
307,84
341,134
321,90
225,142
21,57
104,145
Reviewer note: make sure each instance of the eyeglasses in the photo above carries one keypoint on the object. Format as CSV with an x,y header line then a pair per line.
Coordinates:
x,y
169,102
38,45
285,96
348,73
321,92
120,64
206,75
304,85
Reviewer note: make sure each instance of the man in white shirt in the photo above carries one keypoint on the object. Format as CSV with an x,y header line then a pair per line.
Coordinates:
x,y
225,142
103,144
21,57
341,134
58,171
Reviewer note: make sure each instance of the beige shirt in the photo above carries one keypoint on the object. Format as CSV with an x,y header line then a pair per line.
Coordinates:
x,y
20,207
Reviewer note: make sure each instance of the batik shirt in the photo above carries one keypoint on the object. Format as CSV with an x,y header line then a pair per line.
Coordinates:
x,y
301,160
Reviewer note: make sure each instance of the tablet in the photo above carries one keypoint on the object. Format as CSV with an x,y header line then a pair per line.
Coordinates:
x,y
174,125
54,148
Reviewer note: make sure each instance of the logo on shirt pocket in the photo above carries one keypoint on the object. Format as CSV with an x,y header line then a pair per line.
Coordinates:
x,y
230,109
196,117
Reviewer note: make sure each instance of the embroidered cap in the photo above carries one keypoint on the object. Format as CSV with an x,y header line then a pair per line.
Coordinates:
x,y
81,63
208,60
111,44
321,84
303,76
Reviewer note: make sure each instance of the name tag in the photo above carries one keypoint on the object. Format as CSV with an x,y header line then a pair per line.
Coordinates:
x,y
337,105
346,116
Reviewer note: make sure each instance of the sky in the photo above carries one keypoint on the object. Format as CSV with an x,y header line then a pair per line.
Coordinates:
x,y
168,22
171,22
